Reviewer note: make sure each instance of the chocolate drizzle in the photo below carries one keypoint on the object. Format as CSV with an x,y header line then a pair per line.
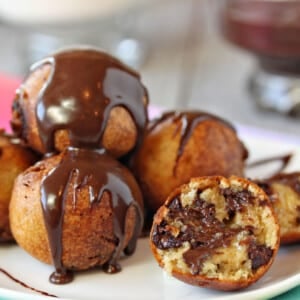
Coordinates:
x,y
201,229
283,159
83,87
205,233
187,121
23,284
78,96
104,174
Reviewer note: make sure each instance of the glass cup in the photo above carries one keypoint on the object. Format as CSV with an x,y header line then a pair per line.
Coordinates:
x,y
270,30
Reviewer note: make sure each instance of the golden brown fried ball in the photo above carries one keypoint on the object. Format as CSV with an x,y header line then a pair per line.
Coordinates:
x,y
88,232
216,232
182,145
119,136
14,159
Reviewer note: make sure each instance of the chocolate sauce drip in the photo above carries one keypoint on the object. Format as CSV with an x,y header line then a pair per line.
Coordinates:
x,y
99,173
83,87
23,284
201,229
284,159
205,233
187,121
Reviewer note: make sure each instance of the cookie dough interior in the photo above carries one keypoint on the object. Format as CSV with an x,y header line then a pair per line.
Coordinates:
x,y
223,231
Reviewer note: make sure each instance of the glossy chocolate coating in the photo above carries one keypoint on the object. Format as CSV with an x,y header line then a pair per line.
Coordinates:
x,y
100,173
205,233
83,87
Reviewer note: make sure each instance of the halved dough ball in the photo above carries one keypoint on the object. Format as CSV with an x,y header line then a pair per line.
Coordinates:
x,y
216,232
284,193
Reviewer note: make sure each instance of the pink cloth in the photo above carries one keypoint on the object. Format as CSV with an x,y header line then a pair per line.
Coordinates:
x,y
8,86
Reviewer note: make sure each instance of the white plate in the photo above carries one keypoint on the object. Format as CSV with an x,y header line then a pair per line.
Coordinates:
x,y
141,278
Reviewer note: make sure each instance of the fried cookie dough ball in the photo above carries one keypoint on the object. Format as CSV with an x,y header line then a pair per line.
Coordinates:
x,y
216,232
182,145
14,159
81,97
284,193
75,214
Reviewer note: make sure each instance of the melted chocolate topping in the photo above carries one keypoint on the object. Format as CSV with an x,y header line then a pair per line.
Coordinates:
x,y
237,200
283,159
205,233
260,255
99,173
187,121
23,284
201,229
83,87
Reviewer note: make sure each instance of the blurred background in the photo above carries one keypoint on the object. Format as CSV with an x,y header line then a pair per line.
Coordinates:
x,y
189,57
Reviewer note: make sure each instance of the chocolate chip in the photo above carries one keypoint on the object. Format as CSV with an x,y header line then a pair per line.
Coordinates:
x,y
259,254
175,204
195,259
163,238
236,200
